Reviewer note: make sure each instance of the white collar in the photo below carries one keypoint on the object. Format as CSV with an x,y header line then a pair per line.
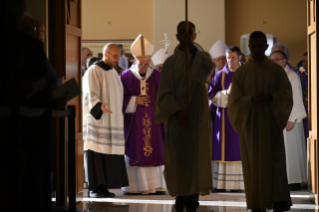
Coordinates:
x,y
287,68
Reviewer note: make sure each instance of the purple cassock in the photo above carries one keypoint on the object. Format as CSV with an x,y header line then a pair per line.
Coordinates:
x,y
226,146
144,139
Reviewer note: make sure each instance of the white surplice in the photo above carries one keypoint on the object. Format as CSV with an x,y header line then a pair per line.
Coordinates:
x,y
144,179
228,176
105,135
294,139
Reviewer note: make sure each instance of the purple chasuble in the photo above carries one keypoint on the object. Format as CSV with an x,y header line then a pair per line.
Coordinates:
x,y
211,106
226,147
293,68
144,139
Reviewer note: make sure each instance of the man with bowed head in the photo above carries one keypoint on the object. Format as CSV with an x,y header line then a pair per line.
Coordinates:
x,y
294,132
187,155
259,107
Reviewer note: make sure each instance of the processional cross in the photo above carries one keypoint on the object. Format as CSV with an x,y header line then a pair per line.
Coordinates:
x,y
166,43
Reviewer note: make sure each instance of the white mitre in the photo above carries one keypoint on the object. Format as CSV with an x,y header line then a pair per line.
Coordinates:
x,y
141,48
218,49
159,57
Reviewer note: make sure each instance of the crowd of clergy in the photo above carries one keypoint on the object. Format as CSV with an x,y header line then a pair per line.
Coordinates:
x,y
196,123
127,118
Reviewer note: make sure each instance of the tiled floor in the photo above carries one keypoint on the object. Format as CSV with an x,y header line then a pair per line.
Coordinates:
x,y
215,202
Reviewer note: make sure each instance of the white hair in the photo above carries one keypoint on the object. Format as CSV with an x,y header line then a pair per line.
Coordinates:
x,y
280,45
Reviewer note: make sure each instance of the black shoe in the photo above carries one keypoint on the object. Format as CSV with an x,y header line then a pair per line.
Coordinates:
x,y
234,190
179,204
281,206
304,187
105,192
218,190
158,193
161,192
294,187
109,194
259,210
93,193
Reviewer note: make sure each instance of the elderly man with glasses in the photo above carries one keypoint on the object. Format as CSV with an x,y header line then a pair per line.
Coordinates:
x,y
144,139
294,132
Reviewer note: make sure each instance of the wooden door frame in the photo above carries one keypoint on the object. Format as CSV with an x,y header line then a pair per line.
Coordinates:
x,y
59,27
312,141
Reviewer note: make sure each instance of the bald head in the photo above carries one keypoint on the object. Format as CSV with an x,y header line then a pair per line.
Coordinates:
x,y
111,54
109,47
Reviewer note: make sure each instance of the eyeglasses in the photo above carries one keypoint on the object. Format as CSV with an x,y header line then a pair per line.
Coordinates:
x,y
115,56
143,65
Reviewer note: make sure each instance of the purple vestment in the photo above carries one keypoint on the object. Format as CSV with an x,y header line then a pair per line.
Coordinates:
x,y
144,138
226,146
212,76
293,68
304,84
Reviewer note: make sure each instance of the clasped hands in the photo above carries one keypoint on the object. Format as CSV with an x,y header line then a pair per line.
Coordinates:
x,y
260,98
183,118
141,100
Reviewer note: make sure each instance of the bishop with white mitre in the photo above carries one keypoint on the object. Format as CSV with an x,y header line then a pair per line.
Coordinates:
x,y
144,148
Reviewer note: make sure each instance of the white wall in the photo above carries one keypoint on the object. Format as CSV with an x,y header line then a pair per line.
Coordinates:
x,y
207,15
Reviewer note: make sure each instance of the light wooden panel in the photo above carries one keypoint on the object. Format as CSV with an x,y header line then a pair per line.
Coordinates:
x,y
313,81
312,149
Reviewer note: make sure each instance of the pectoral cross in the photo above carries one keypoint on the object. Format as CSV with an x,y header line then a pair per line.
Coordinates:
x,y
166,43
144,89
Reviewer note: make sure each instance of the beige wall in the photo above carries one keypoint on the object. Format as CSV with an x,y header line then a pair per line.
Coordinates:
x,y
207,15
226,20
287,19
152,19
117,19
